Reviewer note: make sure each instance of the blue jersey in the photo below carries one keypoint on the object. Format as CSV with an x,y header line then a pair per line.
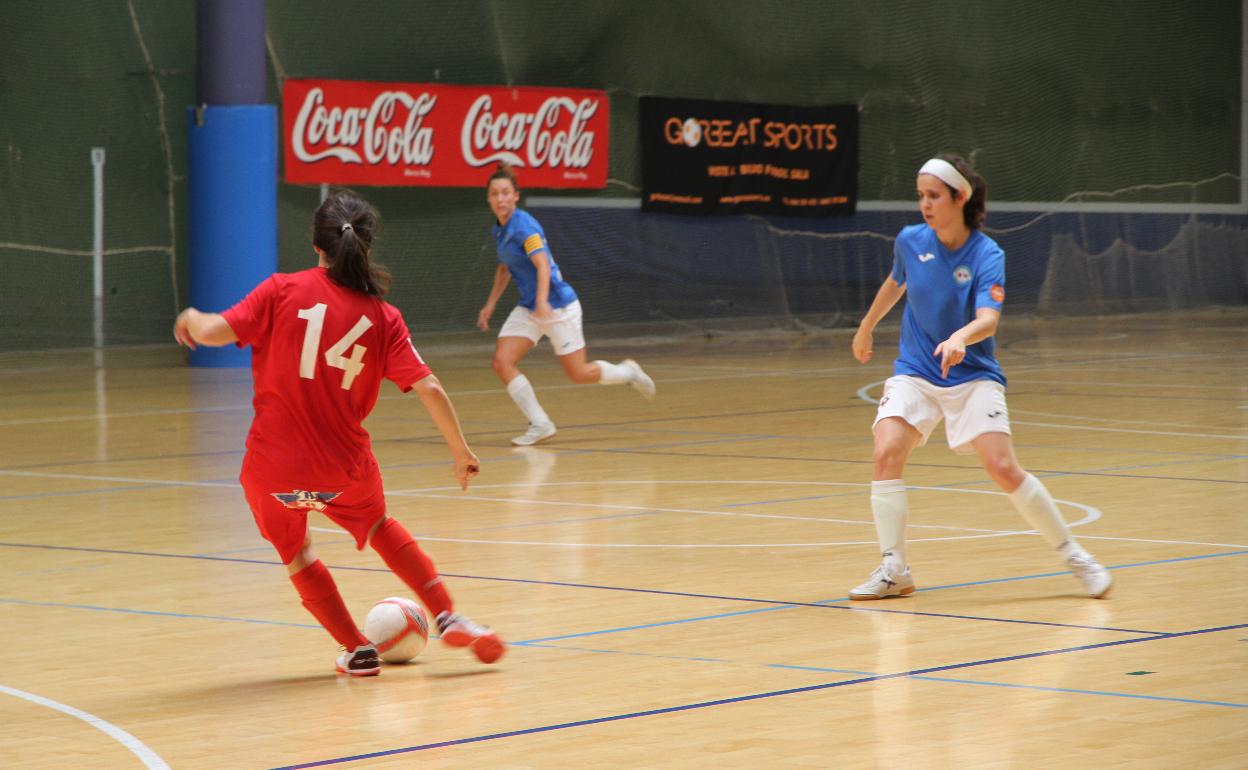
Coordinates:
x,y
943,290
521,238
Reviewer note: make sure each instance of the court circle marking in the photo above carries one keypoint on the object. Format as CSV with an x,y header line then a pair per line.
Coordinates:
x,y
148,757
1091,514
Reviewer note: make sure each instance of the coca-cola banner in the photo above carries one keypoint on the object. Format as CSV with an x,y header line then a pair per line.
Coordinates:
x,y
702,157
365,133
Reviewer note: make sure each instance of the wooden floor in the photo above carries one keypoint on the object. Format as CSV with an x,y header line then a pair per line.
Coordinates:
x,y
671,574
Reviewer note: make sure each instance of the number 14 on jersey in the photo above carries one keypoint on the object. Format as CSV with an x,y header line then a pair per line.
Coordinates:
x,y
351,364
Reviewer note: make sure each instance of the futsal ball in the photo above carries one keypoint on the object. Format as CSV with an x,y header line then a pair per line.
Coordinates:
x,y
398,628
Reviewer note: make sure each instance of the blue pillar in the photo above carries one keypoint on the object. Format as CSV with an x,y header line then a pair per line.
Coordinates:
x,y
231,165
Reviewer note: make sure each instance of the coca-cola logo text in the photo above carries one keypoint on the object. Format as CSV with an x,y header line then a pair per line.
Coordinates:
x,y
343,133
504,135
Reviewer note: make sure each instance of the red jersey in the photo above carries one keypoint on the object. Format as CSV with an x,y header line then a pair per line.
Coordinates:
x,y
319,352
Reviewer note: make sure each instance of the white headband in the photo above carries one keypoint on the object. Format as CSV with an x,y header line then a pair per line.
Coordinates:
x,y
947,173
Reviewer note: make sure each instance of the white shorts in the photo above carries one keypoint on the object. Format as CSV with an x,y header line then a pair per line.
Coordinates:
x,y
564,327
969,410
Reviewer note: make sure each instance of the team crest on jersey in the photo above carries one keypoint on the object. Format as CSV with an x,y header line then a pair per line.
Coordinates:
x,y
962,274
301,499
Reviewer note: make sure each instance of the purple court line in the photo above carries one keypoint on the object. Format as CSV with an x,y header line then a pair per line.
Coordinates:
x,y
773,604
755,696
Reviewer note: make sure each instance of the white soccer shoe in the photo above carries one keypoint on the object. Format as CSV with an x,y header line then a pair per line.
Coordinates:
x,y
1095,578
459,631
882,584
362,661
535,434
638,378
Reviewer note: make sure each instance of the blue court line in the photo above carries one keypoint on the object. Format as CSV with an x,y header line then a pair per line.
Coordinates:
x,y
855,672
1085,692
976,482
755,696
267,548
158,613
629,653
776,603
833,603
650,449
1216,456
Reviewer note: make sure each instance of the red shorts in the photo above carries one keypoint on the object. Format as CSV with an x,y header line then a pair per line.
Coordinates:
x,y
280,506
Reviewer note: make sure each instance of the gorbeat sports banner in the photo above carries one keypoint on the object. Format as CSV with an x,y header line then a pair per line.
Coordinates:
x,y
367,133
703,157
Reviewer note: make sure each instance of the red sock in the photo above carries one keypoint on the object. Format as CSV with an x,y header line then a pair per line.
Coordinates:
x,y
320,595
401,553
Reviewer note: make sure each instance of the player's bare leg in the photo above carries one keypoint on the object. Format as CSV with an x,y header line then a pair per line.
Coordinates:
x,y
507,354
895,439
579,370
1036,506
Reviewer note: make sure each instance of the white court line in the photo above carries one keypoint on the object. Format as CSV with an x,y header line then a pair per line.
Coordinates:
x,y
1087,418
736,375
1110,360
680,545
134,745
459,393
120,479
141,413
1091,514
1117,385
424,492
1129,430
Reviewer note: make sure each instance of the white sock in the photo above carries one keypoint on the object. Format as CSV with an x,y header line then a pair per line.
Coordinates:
x,y
890,509
522,393
612,374
1037,508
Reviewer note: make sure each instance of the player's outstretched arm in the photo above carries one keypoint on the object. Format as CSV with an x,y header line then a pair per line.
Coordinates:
x,y
193,328
888,295
440,408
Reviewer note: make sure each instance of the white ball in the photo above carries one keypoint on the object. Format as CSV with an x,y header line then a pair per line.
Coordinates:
x,y
398,628
691,132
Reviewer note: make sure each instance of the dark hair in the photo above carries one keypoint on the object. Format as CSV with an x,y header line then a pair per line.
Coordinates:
x,y
343,227
976,207
504,172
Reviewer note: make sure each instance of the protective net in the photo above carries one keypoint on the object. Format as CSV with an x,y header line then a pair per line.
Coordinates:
x,y
1115,176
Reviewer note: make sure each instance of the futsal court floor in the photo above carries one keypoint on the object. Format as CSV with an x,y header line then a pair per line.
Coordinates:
x,y
671,575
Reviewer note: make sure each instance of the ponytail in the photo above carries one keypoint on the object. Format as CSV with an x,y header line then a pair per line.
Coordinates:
x,y
343,227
